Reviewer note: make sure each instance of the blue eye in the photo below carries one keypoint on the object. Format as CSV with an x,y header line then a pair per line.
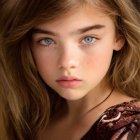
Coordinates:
x,y
47,42
88,40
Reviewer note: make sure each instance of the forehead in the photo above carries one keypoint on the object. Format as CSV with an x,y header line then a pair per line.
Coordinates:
x,y
78,18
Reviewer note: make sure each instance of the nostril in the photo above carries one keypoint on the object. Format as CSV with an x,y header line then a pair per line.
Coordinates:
x,y
64,66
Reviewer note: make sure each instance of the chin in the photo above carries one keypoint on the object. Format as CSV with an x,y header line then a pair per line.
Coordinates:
x,y
71,97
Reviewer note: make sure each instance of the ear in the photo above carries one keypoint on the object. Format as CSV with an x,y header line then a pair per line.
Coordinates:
x,y
119,42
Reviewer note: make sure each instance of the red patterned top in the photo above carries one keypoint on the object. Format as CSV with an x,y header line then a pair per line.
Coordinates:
x,y
117,122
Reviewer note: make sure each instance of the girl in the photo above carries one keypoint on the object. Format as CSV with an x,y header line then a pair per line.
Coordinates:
x,y
69,70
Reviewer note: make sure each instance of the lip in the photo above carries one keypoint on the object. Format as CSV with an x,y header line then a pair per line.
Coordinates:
x,y
68,81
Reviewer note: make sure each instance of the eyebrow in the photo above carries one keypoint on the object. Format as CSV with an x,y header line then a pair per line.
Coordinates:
x,y
78,31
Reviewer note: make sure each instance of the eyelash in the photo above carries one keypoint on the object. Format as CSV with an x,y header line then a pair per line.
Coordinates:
x,y
82,41
93,41
46,39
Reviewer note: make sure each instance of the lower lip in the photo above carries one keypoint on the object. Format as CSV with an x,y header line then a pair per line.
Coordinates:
x,y
68,83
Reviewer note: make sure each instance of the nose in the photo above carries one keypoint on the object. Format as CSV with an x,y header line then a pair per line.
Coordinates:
x,y
68,58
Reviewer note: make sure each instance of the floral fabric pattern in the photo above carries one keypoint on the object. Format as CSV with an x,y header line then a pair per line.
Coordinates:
x,y
119,122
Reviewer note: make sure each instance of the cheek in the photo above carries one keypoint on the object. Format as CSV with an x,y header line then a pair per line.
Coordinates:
x,y
99,61
45,69
43,64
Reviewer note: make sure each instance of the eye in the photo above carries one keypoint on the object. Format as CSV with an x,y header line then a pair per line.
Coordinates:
x,y
89,40
47,42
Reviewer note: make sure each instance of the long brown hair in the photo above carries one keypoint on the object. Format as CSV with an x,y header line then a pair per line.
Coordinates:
x,y
25,101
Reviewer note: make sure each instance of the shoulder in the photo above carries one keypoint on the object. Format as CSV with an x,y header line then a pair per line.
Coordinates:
x,y
120,120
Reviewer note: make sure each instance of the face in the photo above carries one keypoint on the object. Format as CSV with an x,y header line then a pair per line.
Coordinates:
x,y
73,53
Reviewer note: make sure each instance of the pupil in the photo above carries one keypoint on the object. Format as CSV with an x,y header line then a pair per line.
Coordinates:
x,y
88,39
48,41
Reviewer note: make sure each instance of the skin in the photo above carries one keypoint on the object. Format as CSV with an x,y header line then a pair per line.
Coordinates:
x,y
73,55
70,55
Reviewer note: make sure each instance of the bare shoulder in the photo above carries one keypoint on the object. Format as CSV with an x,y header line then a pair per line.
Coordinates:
x,y
136,102
118,98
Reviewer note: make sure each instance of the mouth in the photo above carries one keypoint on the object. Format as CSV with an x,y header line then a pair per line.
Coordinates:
x,y
68,81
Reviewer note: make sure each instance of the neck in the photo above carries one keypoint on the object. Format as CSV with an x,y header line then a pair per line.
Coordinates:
x,y
80,107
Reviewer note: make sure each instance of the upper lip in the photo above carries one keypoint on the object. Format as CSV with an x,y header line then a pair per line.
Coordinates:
x,y
68,78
